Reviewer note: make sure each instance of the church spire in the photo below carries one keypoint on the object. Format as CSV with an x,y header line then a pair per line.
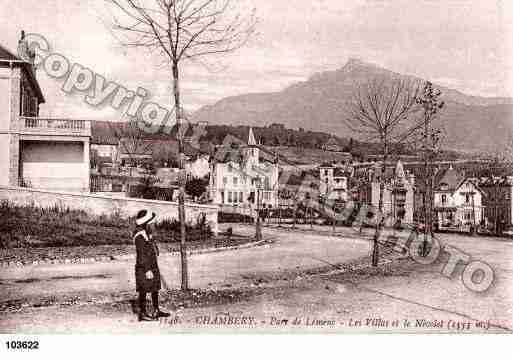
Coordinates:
x,y
399,170
251,138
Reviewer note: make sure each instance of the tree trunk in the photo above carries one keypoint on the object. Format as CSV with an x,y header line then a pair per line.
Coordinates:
x,y
427,194
334,219
294,215
181,194
377,232
472,231
496,218
431,203
311,217
496,204
258,229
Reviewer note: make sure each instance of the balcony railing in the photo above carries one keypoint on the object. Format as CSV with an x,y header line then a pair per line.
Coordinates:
x,y
38,125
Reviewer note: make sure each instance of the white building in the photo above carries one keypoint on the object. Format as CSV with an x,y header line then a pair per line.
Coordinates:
x,y
199,167
239,176
333,182
457,200
36,152
398,194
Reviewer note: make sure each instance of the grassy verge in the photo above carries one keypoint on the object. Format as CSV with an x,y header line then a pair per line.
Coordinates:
x,y
30,254
29,233
34,227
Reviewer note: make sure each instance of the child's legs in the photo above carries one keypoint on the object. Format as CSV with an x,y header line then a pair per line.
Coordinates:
x,y
142,302
155,300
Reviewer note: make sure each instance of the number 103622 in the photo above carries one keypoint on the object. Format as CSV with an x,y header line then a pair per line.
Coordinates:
x,y
22,344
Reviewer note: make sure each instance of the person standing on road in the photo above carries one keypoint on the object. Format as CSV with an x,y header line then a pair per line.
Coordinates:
x,y
147,274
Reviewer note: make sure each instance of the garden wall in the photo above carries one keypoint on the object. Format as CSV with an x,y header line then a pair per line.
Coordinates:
x,y
98,204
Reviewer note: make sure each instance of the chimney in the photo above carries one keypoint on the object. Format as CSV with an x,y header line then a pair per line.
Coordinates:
x,y
24,51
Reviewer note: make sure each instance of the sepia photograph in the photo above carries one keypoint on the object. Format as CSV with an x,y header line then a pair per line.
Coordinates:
x,y
255,167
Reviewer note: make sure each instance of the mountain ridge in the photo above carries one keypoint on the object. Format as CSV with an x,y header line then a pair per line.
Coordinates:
x,y
319,103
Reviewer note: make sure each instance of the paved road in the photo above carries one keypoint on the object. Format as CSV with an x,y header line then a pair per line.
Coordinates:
x,y
289,251
409,292
422,292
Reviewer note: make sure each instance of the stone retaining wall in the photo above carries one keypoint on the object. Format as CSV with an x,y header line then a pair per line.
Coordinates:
x,y
98,204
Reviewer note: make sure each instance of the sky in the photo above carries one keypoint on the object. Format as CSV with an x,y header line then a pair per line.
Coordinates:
x,y
462,44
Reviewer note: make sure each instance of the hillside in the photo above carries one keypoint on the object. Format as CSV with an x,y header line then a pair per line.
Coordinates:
x,y
471,122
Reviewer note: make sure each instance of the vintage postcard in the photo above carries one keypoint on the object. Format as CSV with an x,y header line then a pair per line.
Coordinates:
x,y
244,166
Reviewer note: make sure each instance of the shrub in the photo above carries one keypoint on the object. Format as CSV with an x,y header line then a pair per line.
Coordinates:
x,y
227,217
170,230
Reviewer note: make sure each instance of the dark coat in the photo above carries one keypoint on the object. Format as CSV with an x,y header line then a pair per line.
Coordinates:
x,y
146,260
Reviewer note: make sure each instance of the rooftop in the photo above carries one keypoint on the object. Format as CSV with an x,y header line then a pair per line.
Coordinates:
x,y
7,57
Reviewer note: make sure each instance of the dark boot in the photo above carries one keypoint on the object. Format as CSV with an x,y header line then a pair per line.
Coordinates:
x,y
157,313
160,314
143,315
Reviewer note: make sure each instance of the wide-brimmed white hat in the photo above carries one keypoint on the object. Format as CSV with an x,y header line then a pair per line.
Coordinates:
x,y
144,217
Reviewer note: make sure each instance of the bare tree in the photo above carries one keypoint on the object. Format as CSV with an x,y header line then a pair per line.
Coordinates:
x,y
431,104
383,111
131,140
132,143
182,30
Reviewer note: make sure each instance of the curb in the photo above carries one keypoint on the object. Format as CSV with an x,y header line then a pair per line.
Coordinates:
x,y
356,267
86,260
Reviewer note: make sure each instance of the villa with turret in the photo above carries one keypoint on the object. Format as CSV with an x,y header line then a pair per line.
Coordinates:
x,y
241,176
398,191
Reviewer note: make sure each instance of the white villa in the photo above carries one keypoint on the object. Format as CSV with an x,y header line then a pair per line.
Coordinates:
x,y
398,194
457,200
199,167
333,182
44,153
239,176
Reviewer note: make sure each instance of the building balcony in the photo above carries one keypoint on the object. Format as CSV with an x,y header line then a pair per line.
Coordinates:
x,y
54,127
